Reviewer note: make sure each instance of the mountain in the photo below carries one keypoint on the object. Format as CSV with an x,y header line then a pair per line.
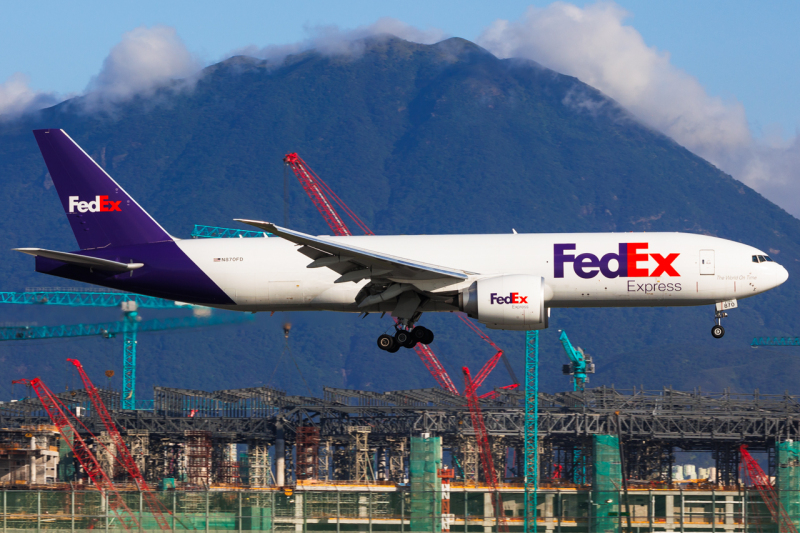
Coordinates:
x,y
442,138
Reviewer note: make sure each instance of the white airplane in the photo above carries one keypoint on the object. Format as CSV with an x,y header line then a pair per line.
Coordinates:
x,y
505,281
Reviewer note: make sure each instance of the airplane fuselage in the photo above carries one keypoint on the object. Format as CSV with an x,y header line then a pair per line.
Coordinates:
x,y
579,269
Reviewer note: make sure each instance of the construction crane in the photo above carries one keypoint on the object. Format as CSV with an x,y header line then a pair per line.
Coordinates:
x,y
485,450
775,341
580,363
491,363
129,327
319,192
769,495
127,461
57,412
213,232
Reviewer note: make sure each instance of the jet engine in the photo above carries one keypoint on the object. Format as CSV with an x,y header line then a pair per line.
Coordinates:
x,y
506,302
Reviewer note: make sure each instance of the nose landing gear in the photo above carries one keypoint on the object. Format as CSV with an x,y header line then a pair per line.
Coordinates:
x,y
405,338
718,331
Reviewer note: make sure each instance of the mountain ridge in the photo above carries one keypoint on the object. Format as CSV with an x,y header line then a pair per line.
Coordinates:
x,y
441,138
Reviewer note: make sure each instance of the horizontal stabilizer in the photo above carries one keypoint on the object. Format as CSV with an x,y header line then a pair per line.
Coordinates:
x,y
390,266
81,260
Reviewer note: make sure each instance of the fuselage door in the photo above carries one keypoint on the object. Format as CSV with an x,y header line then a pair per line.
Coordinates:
x,y
707,262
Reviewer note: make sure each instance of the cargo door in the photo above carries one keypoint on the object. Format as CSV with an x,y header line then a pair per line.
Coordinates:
x,y
707,262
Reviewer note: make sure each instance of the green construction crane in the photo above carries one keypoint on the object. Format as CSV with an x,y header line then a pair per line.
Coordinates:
x,y
580,363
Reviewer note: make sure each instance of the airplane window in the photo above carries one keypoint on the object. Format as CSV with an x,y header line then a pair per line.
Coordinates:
x,y
761,259
768,258
755,259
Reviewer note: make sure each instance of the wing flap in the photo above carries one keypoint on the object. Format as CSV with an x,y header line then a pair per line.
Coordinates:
x,y
81,260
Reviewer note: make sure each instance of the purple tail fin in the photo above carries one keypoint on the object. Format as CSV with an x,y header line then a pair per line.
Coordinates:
x,y
100,212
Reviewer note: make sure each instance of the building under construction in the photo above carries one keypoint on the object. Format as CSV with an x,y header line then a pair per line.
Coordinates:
x,y
257,459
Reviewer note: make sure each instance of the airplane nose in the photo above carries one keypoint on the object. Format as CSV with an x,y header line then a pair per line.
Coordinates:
x,y
781,276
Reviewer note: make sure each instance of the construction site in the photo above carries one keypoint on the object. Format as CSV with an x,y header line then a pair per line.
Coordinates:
x,y
437,459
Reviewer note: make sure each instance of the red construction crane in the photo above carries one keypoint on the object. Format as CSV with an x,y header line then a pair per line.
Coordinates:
x,y
319,192
56,410
482,436
491,363
123,454
769,495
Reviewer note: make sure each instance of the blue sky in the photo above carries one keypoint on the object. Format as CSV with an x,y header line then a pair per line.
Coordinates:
x,y
743,50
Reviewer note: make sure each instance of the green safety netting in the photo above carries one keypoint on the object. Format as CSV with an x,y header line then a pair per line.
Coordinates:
x,y
606,484
426,485
789,478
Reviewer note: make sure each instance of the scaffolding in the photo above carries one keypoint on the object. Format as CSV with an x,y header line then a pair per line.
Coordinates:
x,y
789,478
259,473
198,458
426,485
307,446
606,484
361,460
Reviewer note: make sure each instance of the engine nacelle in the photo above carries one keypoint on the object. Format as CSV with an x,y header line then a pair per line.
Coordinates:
x,y
506,302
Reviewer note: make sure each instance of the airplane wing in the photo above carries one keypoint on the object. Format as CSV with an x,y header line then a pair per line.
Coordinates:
x,y
355,264
81,260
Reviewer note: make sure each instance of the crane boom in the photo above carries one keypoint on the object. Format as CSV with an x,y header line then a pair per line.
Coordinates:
x,y
317,190
482,436
768,493
55,409
125,457
110,329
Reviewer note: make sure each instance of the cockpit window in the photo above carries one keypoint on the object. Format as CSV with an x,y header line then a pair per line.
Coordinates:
x,y
755,259
768,258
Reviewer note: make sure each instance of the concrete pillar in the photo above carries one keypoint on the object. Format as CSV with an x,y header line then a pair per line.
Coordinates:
x,y
729,512
669,510
298,511
488,513
32,478
280,457
548,511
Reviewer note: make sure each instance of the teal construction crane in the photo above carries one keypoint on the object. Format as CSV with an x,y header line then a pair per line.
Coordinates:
x,y
128,327
213,232
775,341
531,430
580,363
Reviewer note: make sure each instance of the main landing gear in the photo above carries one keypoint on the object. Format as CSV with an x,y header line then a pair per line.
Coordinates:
x,y
405,339
718,331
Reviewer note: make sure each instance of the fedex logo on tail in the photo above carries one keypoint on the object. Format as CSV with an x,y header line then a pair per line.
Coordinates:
x,y
626,262
99,204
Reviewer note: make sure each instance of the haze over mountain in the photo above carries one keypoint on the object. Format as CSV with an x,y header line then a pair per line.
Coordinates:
x,y
442,138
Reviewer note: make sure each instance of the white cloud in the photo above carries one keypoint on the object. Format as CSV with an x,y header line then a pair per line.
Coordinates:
x,y
332,40
17,97
594,45
145,59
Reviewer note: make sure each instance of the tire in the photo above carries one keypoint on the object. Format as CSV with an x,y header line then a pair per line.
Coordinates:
x,y
386,342
419,333
717,332
428,338
404,338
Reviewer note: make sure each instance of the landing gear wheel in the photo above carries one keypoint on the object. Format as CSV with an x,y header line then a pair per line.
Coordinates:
x,y
717,331
394,348
404,338
422,334
387,343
